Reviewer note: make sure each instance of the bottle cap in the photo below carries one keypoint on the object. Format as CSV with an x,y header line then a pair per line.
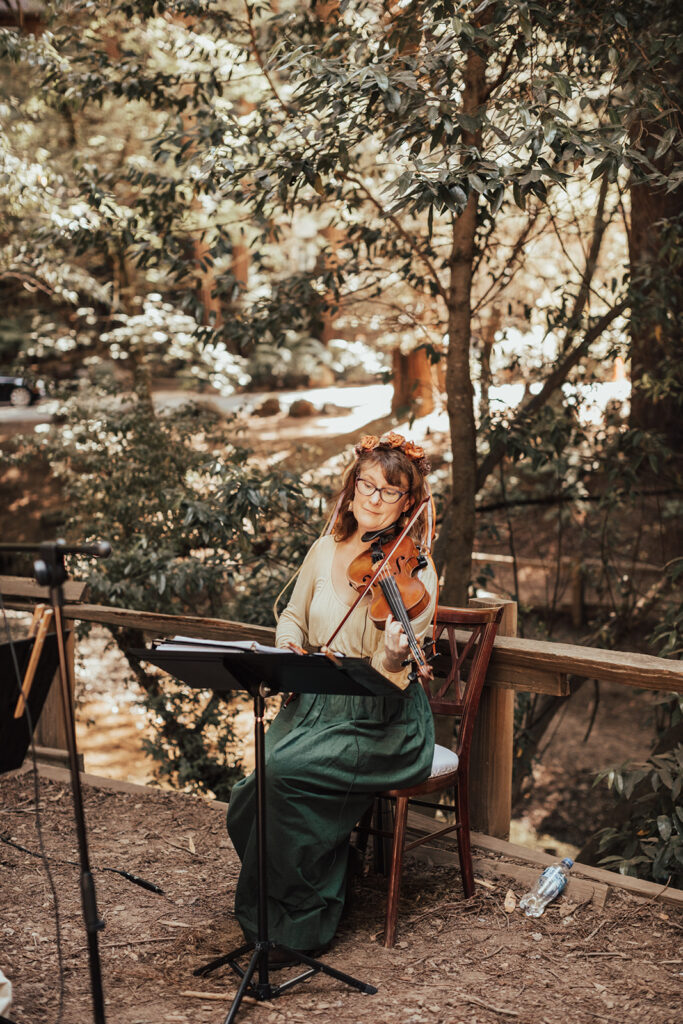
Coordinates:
x,y
568,861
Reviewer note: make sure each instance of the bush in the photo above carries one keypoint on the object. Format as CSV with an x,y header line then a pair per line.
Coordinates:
x,y
649,840
196,529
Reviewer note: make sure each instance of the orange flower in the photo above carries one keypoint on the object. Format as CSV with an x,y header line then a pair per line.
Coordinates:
x,y
393,440
368,443
414,451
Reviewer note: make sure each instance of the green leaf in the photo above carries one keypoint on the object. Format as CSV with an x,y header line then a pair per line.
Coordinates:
x,y
664,827
459,194
520,199
467,123
665,142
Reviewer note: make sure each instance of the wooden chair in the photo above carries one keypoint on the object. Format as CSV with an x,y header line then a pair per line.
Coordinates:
x,y
460,670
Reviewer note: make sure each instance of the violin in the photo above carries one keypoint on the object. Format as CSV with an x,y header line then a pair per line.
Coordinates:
x,y
395,587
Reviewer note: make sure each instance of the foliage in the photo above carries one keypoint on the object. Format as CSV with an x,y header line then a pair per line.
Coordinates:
x,y
193,742
364,156
649,840
196,528
422,172
667,636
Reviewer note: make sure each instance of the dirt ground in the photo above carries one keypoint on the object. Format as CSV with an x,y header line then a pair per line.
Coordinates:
x,y
456,960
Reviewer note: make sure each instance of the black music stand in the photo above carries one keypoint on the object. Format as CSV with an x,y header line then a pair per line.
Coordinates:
x,y
264,675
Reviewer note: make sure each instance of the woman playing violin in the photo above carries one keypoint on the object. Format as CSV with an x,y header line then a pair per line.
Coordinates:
x,y
327,755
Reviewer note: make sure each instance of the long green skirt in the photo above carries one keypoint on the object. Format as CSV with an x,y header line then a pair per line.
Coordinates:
x,y
326,756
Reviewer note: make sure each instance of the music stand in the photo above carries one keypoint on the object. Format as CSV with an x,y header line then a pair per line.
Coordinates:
x,y
263,675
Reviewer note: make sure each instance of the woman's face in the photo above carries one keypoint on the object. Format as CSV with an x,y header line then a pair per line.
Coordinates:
x,y
372,511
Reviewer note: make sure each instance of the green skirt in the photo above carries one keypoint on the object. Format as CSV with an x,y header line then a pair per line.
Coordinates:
x,y
326,757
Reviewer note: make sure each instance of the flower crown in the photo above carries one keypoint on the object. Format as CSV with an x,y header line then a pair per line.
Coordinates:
x,y
394,442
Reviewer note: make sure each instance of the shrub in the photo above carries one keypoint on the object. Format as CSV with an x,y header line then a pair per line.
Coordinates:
x,y
196,528
648,841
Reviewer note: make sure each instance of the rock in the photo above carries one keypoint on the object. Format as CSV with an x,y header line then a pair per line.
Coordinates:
x,y
302,408
322,377
330,409
271,407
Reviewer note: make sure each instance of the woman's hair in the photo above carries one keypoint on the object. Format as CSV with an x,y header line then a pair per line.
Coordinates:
x,y
403,471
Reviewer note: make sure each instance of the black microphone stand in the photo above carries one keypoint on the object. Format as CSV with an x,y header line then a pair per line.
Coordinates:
x,y
50,572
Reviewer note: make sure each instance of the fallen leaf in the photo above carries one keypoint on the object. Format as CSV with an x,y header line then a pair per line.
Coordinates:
x,y
510,902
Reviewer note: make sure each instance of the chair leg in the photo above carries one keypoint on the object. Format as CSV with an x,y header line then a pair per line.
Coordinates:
x,y
363,830
380,846
400,821
463,833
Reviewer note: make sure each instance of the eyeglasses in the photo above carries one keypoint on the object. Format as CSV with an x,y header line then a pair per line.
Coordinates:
x,y
388,494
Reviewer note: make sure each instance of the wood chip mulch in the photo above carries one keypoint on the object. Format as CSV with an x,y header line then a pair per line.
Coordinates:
x,y
455,960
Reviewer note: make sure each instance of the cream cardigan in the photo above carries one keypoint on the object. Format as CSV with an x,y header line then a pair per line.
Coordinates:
x,y
315,609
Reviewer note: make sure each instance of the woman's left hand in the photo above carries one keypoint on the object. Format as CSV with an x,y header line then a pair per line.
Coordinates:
x,y
395,645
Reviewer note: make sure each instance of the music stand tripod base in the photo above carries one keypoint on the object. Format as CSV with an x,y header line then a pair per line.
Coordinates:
x,y
263,989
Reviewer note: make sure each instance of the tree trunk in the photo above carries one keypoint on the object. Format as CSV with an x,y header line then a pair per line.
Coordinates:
x,y
657,298
487,339
459,392
413,385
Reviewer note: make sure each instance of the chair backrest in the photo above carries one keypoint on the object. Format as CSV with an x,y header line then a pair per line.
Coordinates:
x,y
463,639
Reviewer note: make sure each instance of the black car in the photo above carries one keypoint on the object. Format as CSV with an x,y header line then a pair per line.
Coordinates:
x,y
18,392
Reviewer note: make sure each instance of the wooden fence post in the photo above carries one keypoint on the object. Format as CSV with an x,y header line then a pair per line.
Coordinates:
x,y
492,741
51,731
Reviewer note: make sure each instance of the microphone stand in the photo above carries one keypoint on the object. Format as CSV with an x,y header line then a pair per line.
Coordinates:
x,y
50,572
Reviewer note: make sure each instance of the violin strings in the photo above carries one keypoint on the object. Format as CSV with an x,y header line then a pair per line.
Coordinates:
x,y
395,601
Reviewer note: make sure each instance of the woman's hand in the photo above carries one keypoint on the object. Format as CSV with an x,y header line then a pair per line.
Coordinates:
x,y
395,645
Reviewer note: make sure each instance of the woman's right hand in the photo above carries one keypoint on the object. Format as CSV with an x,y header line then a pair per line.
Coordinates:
x,y
295,647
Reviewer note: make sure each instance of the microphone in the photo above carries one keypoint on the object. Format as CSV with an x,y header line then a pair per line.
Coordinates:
x,y
49,569
98,549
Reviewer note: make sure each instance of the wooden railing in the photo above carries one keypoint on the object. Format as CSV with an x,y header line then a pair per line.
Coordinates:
x,y
534,666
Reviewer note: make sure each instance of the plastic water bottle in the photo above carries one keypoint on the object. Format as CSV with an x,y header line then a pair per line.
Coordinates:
x,y
549,885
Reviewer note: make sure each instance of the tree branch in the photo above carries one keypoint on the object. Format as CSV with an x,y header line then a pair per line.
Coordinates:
x,y
563,499
517,251
402,232
551,384
259,60
503,74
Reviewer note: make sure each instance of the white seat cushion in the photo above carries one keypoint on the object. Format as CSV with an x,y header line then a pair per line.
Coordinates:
x,y
445,761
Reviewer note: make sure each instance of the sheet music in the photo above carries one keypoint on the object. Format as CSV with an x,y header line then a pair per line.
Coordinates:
x,y
190,643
